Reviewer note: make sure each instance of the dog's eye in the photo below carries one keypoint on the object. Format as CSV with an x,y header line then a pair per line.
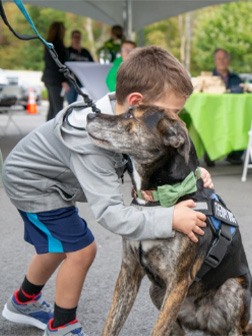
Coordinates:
x,y
129,114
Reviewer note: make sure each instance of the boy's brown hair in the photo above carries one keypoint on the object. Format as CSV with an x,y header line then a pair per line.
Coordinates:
x,y
151,71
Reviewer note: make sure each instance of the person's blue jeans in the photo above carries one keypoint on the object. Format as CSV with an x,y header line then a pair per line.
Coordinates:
x,y
71,95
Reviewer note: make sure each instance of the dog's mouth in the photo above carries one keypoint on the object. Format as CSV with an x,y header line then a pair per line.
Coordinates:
x,y
98,140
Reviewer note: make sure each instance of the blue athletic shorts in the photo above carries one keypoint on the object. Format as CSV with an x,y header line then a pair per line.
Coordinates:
x,y
56,231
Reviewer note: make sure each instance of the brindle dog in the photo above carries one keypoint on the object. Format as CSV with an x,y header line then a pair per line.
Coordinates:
x,y
162,153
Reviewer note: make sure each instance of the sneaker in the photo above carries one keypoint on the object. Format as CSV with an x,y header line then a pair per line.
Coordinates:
x,y
73,328
36,312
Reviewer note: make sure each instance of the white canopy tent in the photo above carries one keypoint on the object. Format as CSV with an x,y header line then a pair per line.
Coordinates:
x,y
133,15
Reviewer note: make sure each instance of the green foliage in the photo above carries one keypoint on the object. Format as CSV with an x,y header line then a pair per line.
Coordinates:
x,y
17,54
226,26
165,34
21,54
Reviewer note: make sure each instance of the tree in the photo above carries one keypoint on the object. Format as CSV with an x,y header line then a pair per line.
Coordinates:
x,y
164,34
191,37
226,26
29,54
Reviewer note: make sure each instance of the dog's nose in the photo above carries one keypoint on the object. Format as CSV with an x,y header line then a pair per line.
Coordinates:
x,y
91,116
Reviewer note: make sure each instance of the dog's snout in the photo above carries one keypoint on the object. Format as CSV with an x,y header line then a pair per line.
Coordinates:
x,y
91,116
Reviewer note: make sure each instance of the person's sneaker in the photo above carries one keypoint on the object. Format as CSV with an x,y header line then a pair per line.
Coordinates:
x,y
73,328
36,312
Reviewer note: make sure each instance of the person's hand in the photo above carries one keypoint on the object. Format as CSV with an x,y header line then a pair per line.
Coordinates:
x,y
188,221
65,86
206,177
147,195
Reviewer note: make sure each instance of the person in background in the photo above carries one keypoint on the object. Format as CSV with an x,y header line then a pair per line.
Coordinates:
x,y
111,48
55,82
126,48
65,167
222,62
233,85
76,54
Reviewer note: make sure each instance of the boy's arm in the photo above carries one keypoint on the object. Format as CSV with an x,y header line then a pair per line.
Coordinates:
x,y
101,186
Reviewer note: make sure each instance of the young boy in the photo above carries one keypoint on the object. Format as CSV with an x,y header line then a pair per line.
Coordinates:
x,y
56,165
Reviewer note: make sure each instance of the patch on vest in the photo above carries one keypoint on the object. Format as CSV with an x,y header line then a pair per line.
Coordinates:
x,y
223,214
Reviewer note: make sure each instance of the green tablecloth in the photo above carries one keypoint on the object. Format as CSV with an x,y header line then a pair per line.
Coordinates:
x,y
218,123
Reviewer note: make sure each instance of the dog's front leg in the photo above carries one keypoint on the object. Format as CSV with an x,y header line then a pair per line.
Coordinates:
x,y
126,289
171,305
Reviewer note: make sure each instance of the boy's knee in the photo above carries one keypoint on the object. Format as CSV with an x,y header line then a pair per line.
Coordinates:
x,y
83,257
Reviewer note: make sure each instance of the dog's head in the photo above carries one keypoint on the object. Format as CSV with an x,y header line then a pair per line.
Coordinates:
x,y
146,133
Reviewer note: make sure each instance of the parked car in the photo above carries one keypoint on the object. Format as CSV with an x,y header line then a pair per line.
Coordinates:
x,y
6,99
13,91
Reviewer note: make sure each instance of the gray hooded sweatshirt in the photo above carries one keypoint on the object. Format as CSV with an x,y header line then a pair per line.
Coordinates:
x,y
56,165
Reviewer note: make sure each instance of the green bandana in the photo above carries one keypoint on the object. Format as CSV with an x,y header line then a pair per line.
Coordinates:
x,y
168,195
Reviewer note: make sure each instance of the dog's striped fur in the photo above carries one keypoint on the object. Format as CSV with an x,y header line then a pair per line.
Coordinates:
x,y
162,153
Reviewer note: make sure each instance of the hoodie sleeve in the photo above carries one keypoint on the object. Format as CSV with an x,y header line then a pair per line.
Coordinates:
x,y
99,181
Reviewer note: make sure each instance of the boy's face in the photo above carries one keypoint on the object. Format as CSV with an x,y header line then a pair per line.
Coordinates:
x,y
171,101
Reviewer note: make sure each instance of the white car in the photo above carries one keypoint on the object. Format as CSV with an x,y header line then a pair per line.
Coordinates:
x,y
7,98
14,91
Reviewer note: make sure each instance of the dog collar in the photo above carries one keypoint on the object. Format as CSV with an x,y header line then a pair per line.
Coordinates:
x,y
168,194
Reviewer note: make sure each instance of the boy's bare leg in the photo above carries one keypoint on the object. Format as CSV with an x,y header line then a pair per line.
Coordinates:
x,y
71,276
42,266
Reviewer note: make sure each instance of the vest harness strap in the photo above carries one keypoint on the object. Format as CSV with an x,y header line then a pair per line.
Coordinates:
x,y
221,220
223,224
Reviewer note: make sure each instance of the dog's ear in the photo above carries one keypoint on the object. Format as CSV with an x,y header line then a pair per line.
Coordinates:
x,y
177,137
185,148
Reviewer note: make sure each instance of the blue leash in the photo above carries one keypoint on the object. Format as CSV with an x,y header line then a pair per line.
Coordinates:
x,y
63,68
22,9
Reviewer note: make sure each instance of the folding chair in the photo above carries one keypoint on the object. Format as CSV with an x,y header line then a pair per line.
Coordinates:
x,y
248,157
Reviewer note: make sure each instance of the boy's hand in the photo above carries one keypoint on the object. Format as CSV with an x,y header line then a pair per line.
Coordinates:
x,y
188,221
207,179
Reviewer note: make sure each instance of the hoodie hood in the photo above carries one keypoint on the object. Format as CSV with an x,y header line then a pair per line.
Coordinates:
x,y
70,123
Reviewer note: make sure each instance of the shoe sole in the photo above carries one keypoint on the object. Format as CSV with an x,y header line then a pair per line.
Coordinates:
x,y
22,319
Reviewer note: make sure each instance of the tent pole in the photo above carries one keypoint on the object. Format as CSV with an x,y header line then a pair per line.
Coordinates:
x,y
127,17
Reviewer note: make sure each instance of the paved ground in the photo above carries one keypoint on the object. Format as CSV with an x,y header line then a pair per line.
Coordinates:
x,y
97,294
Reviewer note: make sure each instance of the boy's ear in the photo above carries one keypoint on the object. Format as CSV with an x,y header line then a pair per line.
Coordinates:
x,y
134,99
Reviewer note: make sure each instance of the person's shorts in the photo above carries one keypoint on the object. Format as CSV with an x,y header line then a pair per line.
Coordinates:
x,y
56,231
